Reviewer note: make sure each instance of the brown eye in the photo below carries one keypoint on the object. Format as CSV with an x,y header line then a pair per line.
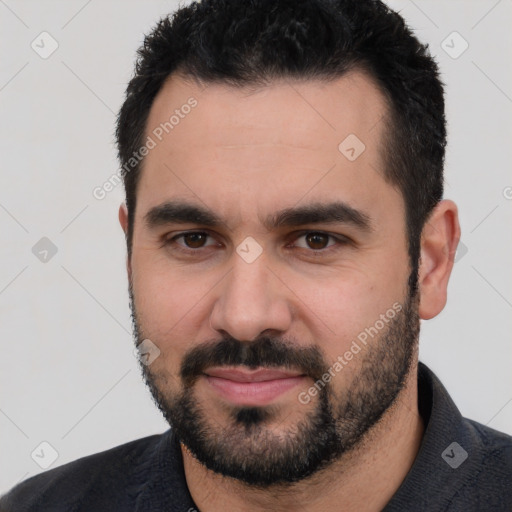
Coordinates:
x,y
192,243
317,240
194,240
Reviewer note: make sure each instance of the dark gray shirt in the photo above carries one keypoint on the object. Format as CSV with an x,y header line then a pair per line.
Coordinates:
x,y
461,466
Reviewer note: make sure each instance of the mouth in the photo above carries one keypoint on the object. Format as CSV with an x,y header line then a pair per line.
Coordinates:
x,y
251,387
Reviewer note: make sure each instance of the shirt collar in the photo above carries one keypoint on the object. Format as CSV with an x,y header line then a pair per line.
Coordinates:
x,y
449,454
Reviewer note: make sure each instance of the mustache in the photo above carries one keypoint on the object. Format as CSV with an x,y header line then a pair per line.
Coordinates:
x,y
263,352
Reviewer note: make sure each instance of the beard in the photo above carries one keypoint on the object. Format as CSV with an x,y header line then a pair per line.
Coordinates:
x,y
249,447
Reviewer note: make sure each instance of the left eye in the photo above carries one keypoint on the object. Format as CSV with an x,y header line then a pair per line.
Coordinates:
x,y
193,240
315,240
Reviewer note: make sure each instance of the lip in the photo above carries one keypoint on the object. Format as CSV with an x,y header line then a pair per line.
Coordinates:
x,y
251,387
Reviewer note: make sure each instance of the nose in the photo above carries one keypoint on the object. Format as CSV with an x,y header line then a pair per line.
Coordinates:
x,y
251,301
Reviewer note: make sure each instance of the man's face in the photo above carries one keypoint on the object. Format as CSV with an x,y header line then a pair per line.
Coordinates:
x,y
283,318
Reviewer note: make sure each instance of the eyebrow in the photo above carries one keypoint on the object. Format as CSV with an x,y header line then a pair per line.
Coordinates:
x,y
320,213
179,212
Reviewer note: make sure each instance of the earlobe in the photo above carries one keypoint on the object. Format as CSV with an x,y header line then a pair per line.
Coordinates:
x,y
123,217
123,220
439,241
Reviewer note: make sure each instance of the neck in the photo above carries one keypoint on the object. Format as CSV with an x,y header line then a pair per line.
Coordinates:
x,y
364,479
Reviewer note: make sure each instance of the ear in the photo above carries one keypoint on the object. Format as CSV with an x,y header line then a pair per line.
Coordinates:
x,y
123,220
123,217
439,241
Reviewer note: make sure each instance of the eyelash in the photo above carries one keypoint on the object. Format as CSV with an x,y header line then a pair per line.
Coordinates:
x,y
339,239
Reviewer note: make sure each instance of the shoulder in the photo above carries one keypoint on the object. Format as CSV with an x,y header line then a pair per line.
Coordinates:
x,y
67,487
495,451
461,465
488,486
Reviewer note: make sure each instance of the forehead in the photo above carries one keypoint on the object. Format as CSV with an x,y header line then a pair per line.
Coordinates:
x,y
273,144
286,111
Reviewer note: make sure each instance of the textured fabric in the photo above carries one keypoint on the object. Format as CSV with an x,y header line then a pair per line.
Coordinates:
x,y
146,475
482,481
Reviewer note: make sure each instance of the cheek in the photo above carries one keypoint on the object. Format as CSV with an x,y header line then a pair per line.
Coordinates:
x,y
161,304
170,303
339,309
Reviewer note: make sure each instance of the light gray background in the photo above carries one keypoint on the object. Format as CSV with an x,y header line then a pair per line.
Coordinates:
x,y
68,374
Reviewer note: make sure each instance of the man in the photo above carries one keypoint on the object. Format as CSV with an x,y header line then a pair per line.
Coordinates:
x,y
286,232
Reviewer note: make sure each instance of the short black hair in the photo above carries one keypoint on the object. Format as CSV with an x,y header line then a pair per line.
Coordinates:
x,y
253,42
